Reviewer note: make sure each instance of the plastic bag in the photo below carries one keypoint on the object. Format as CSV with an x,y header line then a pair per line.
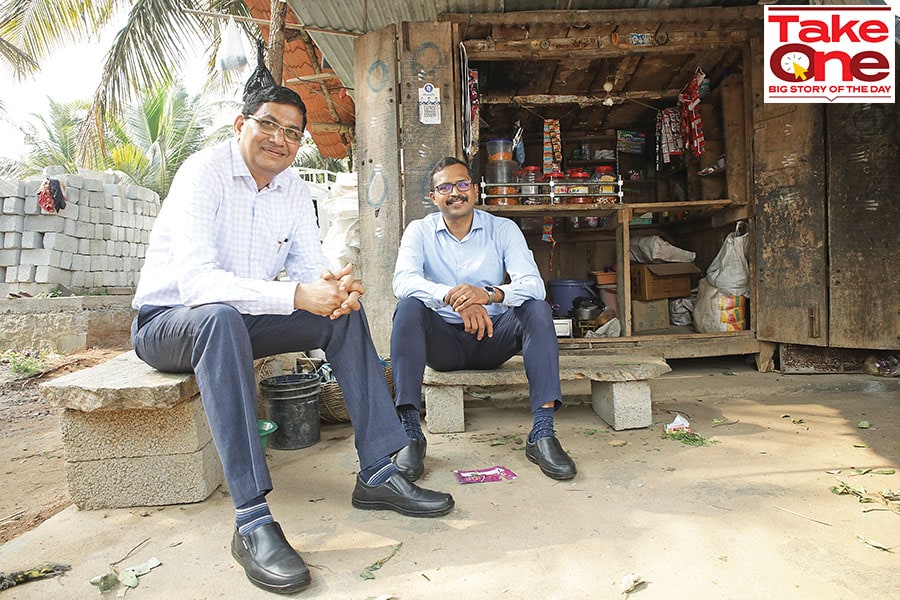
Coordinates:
x,y
883,364
261,76
716,310
231,54
652,248
729,270
681,311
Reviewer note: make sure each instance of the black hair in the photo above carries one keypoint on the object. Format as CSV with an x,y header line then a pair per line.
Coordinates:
x,y
447,162
277,94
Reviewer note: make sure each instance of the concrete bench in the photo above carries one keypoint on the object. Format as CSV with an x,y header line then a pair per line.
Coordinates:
x,y
134,436
620,393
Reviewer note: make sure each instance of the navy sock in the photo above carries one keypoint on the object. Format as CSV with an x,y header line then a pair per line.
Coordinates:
x,y
253,514
378,472
543,424
409,416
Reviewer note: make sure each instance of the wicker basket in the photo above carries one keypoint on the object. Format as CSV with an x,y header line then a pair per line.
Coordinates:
x,y
332,408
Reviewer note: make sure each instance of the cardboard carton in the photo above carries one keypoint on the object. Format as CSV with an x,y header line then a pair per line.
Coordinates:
x,y
661,280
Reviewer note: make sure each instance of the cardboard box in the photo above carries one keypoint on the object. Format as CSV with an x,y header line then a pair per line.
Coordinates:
x,y
649,315
661,280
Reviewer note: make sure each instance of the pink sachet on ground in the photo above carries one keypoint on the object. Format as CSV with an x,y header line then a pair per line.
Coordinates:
x,y
495,473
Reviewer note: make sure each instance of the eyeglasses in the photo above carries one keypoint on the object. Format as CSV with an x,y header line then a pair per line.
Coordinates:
x,y
269,127
463,185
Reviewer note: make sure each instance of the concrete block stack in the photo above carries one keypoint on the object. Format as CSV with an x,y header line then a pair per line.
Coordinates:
x,y
96,243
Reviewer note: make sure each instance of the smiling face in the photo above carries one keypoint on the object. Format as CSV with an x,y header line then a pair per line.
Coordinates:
x,y
268,154
455,205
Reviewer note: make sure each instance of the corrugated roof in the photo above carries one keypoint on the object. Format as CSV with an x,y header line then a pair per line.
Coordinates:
x,y
368,15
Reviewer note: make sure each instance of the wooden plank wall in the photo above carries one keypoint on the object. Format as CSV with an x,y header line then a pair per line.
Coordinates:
x,y
864,225
378,169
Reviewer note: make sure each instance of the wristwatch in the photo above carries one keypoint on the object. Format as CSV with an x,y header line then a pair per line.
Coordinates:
x,y
492,293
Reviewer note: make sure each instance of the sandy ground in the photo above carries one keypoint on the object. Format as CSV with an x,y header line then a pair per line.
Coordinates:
x,y
751,516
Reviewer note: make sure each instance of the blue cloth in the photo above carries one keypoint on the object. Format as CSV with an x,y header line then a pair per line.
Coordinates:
x,y
431,261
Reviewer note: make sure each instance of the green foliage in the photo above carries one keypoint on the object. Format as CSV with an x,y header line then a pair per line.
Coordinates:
x,y
23,363
689,438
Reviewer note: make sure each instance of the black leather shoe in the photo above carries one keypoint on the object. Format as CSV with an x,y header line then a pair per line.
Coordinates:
x,y
551,458
399,495
269,561
411,460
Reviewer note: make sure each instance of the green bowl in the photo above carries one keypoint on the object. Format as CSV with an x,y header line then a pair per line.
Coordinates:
x,y
265,430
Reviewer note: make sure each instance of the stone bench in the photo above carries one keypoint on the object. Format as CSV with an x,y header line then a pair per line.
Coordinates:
x,y
620,392
135,436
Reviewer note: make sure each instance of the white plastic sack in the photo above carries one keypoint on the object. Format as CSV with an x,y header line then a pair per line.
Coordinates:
x,y
652,248
231,53
339,220
729,270
716,310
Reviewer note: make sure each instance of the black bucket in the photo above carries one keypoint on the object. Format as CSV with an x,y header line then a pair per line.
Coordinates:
x,y
292,401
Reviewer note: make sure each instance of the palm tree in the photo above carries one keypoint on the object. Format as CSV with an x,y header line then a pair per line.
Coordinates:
x,y
56,141
147,143
148,50
153,138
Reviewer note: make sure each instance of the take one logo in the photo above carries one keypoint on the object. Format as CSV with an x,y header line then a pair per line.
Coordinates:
x,y
829,54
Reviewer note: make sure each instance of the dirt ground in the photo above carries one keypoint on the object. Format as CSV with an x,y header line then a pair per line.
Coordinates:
x,y
31,451
751,515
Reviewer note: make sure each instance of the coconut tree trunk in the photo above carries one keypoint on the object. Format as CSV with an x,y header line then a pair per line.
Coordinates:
x,y
275,55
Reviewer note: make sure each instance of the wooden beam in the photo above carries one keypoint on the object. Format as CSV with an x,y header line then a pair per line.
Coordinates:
x,y
315,78
331,127
707,17
275,56
264,23
600,46
551,99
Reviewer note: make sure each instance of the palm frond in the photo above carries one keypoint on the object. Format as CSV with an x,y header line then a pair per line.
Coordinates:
x,y
37,27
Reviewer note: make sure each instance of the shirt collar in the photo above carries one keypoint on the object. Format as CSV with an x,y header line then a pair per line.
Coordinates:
x,y
478,220
240,169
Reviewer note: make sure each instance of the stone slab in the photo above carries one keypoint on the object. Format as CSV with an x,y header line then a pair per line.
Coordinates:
x,y
626,406
145,481
105,434
595,368
124,382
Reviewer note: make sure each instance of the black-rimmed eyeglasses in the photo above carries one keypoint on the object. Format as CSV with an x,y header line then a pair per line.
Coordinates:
x,y
463,185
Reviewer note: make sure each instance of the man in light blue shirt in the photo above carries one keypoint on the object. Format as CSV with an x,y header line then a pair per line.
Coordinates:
x,y
470,297
208,301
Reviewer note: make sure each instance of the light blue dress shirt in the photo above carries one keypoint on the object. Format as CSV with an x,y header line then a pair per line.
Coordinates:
x,y
431,262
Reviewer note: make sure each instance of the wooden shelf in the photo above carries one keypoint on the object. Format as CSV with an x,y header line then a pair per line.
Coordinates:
x,y
543,210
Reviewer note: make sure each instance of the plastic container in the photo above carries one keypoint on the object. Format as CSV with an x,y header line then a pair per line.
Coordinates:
x,y
292,402
500,172
532,178
578,184
560,186
604,181
499,149
265,429
563,293
610,298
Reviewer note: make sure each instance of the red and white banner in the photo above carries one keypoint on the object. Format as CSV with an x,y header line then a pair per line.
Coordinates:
x,y
817,54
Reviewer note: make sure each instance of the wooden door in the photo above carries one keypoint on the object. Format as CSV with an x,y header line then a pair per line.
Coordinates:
x,y
863,225
789,191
